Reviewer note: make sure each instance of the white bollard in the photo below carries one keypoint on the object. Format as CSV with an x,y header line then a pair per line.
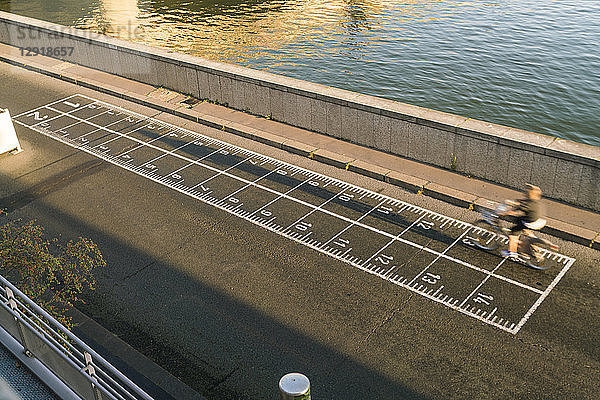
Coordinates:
x,y
294,386
8,136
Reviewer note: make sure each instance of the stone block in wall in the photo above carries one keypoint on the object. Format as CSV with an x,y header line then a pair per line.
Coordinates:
x,y
50,39
318,115
543,171
42,39
112,64
417,142
237,97
589,187
138,68
203,86
94,56
399,136
15,37
471,155
192,82
520,163
9,34
247,96
169,79
365,122
334,120
79,53
304,112
58,40
83,52
256,98
277,106
349,126
382,129
26,37
440,147
567,180
249,102
227,90
214,88
64,41
182,85
497,166
4,35
151,69
124,66
291,113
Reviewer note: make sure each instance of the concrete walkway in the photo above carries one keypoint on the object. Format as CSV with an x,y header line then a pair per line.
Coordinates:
x,y
564,221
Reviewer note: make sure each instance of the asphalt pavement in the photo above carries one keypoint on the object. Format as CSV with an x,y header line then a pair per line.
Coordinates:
x,y
231,263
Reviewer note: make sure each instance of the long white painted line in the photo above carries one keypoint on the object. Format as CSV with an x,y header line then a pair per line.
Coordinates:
x,y
150,141
119,137
352,223
166,154
290,166
281,195
442,254
50,104
62,114
96,130
315,209
312,175
224,171
245,215
394,240
249,184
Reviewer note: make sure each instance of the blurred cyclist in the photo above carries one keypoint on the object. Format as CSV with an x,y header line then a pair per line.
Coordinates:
x,y
530,215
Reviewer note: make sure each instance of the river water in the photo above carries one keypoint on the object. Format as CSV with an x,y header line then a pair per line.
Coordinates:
x,y
531,64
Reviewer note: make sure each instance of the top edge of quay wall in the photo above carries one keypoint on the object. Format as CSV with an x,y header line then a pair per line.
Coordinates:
x,y
426,135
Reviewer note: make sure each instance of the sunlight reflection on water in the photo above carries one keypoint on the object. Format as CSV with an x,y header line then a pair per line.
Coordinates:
x,y
531,64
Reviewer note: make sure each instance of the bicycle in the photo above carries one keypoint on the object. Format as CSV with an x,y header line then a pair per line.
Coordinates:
x,y
490,227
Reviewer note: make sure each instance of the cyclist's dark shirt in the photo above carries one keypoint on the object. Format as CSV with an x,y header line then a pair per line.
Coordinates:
x,y
532,209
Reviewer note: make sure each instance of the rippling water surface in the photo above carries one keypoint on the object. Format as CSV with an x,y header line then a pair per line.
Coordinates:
x,y
531,64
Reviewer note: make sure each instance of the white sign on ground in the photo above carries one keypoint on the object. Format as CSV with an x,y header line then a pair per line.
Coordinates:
x,y
8,136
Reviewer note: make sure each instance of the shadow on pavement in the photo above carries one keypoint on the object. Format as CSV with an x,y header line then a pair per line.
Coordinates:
x,y
240,351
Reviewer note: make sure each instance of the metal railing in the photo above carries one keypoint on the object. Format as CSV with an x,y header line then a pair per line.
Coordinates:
x,y
83,370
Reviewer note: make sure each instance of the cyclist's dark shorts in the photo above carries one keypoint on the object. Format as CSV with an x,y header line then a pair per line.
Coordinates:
x,y
518,228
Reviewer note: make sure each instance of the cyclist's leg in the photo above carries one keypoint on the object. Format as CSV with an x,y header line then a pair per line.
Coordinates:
x,y
513,239
515,233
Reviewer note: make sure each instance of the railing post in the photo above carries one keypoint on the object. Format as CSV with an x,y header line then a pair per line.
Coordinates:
x,y
13,306
294,386
29,317
89,369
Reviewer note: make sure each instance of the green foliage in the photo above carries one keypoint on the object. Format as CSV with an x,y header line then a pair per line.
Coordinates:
x,y
52,274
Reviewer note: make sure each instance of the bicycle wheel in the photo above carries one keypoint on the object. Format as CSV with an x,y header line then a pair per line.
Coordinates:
x,y
484,235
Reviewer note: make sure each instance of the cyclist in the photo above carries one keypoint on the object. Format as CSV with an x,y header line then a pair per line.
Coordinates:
x,y
529,213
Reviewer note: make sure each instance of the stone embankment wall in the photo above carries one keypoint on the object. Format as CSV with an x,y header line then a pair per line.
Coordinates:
x,y
565,170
